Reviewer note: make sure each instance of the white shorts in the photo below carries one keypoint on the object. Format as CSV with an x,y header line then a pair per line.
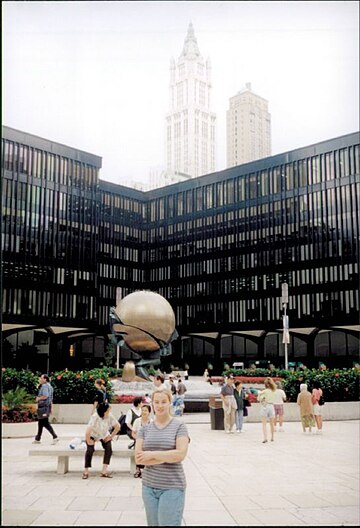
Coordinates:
x,y
267,411
317,410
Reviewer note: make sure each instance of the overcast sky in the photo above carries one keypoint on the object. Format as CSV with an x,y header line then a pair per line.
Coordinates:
x,y
95,75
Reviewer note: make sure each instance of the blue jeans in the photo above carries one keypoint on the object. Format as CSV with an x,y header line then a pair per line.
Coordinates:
x,y
164,507
239,418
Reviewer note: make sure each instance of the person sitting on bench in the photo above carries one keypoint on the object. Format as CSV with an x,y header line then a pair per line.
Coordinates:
x,y
98,429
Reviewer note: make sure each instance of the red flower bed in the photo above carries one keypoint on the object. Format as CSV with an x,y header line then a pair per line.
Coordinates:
x,y
17,416
124,398
250,379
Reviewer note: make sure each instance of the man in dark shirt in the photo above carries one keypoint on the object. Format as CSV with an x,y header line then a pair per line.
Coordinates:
x,y
44,400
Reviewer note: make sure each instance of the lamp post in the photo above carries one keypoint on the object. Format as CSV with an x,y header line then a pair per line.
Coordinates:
x,y
118,299
286,335
117,356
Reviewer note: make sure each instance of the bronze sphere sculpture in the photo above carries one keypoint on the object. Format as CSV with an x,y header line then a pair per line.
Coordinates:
x,y
144,323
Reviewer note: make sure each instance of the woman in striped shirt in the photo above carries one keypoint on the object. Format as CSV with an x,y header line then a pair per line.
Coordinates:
x,y
160,447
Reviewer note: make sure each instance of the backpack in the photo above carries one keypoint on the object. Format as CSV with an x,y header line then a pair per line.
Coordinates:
x,y
123,427
321,400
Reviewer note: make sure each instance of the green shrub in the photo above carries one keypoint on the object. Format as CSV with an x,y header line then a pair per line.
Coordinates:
x,y
12,378
256,373
112,372
15,399
337,384
78,387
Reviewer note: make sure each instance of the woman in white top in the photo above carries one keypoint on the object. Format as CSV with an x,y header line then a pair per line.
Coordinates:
x,y
266,397
98,429
280,398
144,419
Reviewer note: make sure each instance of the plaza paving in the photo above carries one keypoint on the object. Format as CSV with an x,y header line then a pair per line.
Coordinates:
x,y
233,480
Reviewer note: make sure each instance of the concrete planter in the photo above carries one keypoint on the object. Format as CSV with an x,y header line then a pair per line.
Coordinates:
x,y
330,411
69,413
73,413
79,413
18,430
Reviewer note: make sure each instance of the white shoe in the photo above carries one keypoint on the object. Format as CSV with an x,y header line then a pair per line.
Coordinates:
x,y
36,442
238,431
55,440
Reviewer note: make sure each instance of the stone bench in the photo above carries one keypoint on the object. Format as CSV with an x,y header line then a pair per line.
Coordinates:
x,y
64,454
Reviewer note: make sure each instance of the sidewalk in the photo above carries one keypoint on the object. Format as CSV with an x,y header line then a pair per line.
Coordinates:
x,y
233,480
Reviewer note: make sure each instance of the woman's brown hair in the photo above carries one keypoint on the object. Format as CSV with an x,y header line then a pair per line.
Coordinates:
x,y
269,384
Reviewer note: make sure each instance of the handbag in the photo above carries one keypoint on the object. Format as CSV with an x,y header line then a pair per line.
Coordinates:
x,y
233,403
43,411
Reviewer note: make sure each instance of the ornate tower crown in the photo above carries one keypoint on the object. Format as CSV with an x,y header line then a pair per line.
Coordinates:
x,y
190,49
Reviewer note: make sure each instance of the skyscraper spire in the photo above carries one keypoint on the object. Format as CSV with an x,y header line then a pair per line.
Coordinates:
x,y
190,124
190,49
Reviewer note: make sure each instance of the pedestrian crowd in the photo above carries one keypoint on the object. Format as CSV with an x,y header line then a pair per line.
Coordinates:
x,y
235,400
161,440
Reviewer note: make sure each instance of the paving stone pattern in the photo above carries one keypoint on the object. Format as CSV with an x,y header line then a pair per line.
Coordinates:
x,y
233,480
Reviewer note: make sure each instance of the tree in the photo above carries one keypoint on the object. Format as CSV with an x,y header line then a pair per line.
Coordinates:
x,y
110,354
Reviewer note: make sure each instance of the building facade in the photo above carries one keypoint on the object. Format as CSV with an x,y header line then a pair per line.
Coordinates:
x,y
218,247
190,124
248,128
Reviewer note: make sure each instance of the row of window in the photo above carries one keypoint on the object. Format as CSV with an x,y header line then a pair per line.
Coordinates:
x,y
262,184
267,309
19,301
45,165
245,282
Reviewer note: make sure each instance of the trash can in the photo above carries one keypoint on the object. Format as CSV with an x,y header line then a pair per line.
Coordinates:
x,y
216,414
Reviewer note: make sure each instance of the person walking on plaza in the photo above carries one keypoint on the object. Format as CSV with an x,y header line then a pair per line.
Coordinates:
x,y
280,398
161,447
171,385
44,402
98,429
267,397
207,376
229,404
180,390
306,408
316,397
101,395
240,397
159,382
144,419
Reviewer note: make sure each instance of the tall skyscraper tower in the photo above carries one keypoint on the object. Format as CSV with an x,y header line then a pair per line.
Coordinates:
x,y
248,125
190,126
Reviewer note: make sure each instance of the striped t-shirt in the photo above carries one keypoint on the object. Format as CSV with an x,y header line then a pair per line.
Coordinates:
x,y
163,476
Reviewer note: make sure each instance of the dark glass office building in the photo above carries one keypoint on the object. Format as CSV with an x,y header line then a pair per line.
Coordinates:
x,y
218,247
